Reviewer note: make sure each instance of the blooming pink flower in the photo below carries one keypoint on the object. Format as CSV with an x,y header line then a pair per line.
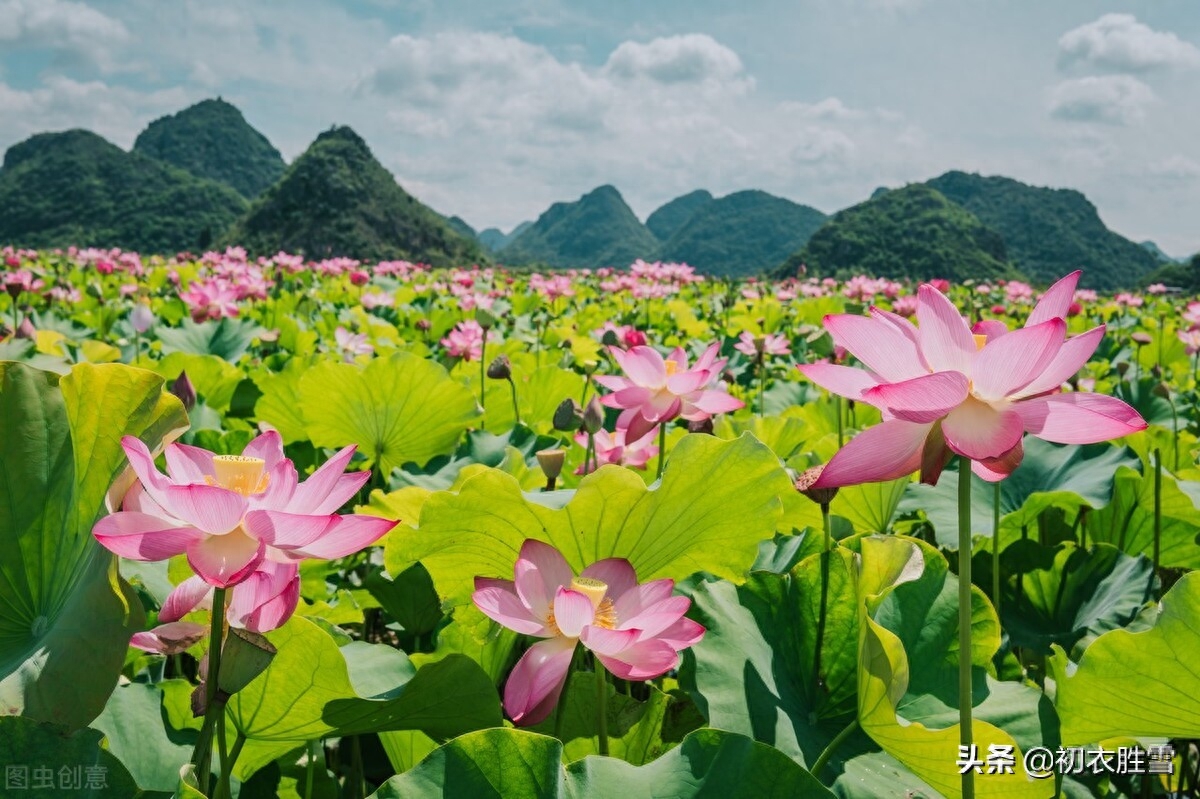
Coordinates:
x,y
905,306
210,299
612,448
360,277
229,513
771,344
1156,288
656,390
944,391
635,631
465,341
1191,340
352,344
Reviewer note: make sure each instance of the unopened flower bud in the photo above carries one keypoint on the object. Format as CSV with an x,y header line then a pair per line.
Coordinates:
x,y
423,324
1122,367
500,368
1141,339
593,416
568,416
804,483
1162,390
551,461
701,426
141,317
184,390
610,338
95,290
26,329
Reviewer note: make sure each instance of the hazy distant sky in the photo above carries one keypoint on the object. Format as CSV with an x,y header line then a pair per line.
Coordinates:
x,y
493,110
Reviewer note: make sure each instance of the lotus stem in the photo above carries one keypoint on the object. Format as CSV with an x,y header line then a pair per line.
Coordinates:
x,y
841,433
824,610
202,756
1157,510
837,741
601,707
662,448
516,408
310,768
762,386
996,547
483,373
966,738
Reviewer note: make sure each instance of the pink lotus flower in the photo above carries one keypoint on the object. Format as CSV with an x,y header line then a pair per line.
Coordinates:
x,y
210,299
944,391
769,344
352,345
465,341
229,513
635,631
1191,340
657,390
612,448
262,602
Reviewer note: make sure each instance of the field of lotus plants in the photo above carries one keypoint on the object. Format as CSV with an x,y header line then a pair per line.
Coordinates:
x,y
277,527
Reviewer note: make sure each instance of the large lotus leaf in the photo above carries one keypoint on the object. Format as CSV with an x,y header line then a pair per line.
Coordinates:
x,y
870,507
785,435
1068,593
143,727
472,634
1050,475
280,401
1144,398
907,679
226,338
39,760
1136,683
502,763
480,447
1128,521
307,692
635,729
716,501
65,615
397,409
753,671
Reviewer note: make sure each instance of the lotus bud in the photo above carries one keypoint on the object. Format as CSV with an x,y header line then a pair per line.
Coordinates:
x,y
423,325
244,656
551,461
701,426
141,317
568,416
96,291
610,339
1122,367
500,368
1141,339
484,318
593,416
1162,390
821,496
184,390
26,329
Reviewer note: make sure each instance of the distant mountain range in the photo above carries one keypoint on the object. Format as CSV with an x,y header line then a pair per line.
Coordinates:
x,y
205,176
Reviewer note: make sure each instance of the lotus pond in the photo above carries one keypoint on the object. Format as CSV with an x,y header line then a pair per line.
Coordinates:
x,y
277,527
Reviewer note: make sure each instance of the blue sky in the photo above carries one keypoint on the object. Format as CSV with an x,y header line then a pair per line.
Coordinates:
x,y
493,110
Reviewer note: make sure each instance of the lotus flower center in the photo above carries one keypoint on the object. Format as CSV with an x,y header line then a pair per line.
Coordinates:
x,y
672,367
980,340
239,473
604,614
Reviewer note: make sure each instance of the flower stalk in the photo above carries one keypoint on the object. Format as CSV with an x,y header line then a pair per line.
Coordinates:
x,y
966,737
601,708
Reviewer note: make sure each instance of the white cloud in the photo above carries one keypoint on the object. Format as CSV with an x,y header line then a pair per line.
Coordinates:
x,y
1108,99
74,30
691,58
1119,42
1175,167
115,112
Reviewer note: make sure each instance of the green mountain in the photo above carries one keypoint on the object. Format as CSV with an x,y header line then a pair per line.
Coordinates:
x,y
742,234
212,139
1182,275
913,232
336,199
598,229
460,226
1049,232
59,189
669,218
1159,255
495,239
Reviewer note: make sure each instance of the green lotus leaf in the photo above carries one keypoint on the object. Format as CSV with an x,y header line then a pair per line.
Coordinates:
x,y
279,404
1050,475
539,392
397,409
635,729
310,691
716,502
225,338
1130,684
65,615
149,739
1068,593
907,671
753,671
42,760
214,378
1128,521
502,763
